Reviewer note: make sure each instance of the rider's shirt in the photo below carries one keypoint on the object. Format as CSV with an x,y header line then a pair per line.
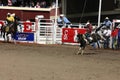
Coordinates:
x,y
107,23
10,19
89,28
63,20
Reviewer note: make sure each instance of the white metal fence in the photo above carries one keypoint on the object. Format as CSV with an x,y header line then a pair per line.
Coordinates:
x,y
45,32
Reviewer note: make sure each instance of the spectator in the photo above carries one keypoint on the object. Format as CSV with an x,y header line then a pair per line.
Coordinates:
x,y
9,2
25,3
37,5
118,40
14,2
20,3
32,4
63,21
107,23
114,35
53,5
43,4
1,4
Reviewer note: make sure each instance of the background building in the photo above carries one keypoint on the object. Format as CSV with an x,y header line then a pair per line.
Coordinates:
x,y
75,10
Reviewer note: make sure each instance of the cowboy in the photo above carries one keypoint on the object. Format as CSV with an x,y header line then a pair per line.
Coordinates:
x,y
89,27
10,18
62,21
107,23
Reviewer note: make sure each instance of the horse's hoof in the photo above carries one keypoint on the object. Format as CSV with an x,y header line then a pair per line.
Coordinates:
x,y
81,53
77,53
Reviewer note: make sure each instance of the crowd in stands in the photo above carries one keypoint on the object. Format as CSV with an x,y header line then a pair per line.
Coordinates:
x,y
28,3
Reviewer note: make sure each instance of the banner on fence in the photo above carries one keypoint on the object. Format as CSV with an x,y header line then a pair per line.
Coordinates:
x,y
70,34
25,36
27,26
1,24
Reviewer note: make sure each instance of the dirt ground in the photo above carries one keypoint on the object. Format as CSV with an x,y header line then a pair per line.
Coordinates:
x,y
57,62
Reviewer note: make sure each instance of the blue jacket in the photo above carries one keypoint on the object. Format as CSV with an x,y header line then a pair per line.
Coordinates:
x,y
63,20
107,23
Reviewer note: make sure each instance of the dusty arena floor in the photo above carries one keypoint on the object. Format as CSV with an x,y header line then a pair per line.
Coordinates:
x,y
57,62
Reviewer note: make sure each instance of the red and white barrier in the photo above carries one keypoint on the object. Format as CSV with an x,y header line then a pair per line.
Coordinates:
x,y
43,32
69,35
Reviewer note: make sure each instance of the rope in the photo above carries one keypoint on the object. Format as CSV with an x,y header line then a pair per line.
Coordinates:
x,y
84,6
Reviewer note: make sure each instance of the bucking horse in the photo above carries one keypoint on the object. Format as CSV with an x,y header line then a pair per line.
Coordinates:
x,y
83,42
87,39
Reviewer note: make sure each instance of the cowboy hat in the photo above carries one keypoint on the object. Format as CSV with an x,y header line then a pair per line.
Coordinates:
x,y
8,14
62,15
13,14
106,18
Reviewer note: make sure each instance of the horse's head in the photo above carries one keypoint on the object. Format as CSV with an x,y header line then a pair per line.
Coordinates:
x,y
80,36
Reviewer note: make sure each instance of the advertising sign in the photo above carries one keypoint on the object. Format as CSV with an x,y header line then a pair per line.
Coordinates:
x,y
70,34
27,26
1,24
25,36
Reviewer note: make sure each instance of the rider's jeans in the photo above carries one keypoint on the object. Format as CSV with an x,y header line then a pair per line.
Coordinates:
x,y
106,42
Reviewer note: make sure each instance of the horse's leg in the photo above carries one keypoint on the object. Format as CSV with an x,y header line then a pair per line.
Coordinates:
x,y
13,37
7,37
82,51
1,33
79,50
4,36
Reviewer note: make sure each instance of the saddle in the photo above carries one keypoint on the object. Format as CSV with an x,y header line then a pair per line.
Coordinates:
x,y
7,28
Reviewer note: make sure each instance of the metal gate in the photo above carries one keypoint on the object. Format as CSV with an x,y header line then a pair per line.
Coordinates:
x,y
45,34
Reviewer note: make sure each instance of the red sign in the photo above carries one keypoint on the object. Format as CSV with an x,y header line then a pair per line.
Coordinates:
x,y
70,34
1,23
27,27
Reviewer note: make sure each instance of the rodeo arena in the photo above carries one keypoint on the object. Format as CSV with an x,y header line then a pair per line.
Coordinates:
x,y
51,31
43,44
